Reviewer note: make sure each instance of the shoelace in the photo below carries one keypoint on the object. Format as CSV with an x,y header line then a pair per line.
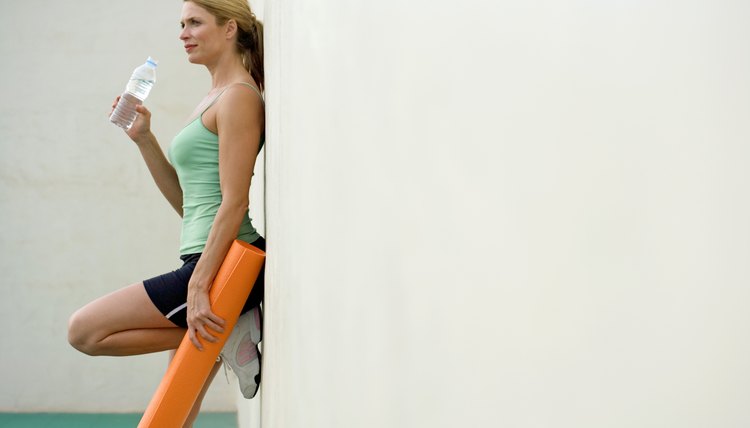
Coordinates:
x,y
224,364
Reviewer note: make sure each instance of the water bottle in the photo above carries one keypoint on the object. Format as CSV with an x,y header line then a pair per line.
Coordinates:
x,y
139,85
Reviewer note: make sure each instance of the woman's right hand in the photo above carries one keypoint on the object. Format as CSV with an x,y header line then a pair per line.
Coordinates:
x,y
141,126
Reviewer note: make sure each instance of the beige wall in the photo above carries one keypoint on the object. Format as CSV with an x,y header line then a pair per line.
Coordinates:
x,y
522,214
79,214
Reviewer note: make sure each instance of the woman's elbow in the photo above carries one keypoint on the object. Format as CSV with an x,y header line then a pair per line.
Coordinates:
x,y
236,206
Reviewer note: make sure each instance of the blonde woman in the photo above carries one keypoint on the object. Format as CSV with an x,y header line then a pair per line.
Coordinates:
x,y
206,179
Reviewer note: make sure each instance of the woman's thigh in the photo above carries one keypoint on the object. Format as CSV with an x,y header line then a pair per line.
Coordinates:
x,y
128,308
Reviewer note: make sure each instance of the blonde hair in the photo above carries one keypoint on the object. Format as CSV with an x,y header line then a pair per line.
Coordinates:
x,y
249,31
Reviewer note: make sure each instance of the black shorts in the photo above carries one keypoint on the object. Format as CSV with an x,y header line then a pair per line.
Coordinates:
x,y
169,291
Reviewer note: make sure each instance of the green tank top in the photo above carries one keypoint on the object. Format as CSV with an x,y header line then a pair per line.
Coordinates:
x,y
194,153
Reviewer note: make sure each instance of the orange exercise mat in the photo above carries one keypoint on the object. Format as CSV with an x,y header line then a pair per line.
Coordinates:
x,y
189,369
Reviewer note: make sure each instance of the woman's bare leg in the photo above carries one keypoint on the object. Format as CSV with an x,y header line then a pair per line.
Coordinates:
x,y
193,415
124,322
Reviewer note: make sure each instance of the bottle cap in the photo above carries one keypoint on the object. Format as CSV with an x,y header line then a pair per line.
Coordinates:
x,y
152,62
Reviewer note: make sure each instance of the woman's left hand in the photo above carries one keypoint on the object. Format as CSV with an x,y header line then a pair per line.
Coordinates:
x,y
200,318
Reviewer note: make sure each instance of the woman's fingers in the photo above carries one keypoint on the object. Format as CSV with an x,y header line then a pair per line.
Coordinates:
x,y
210,321
205,334
215,325
141,109
201,328
194,338
202,322
114,104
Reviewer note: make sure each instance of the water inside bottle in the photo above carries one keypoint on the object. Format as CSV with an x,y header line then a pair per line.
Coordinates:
x,y
124,113
140,87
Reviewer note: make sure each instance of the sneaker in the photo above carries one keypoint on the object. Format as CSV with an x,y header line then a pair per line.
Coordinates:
x,y
241,352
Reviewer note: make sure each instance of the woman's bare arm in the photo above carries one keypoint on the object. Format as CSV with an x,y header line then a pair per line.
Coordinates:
x,y
239,121
161,170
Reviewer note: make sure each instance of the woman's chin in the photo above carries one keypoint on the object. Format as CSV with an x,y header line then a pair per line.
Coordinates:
x,y
193,59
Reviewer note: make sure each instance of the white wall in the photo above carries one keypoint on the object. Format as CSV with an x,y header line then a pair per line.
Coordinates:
x,y
79,214
484,214
527,214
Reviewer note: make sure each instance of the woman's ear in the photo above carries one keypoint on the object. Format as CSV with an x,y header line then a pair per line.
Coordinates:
x,y
231,28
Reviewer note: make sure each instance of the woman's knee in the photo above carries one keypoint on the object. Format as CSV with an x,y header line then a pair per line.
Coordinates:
x,y
81,333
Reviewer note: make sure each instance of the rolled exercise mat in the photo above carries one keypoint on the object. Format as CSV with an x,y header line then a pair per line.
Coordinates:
x,y
189,369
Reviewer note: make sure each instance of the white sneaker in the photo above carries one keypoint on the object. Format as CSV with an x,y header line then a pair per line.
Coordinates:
x,y
241,351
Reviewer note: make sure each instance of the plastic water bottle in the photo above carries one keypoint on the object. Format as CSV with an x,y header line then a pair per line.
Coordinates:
x,y
139,85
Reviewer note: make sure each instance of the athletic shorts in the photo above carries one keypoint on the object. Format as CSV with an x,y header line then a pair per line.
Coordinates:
x,y
169,291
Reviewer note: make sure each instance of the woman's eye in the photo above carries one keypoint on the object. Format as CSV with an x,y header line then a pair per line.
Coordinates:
x,y
191,22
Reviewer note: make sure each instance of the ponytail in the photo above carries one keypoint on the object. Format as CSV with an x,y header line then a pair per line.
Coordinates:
x,y
250,44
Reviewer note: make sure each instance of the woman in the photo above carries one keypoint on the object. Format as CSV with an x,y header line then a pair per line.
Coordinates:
x,y
206,180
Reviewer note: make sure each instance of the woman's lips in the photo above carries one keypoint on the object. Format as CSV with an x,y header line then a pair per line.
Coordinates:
x,y
188,48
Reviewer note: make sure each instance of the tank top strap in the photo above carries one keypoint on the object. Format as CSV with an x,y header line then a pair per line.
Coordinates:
x,y
216,98
213,101
254,89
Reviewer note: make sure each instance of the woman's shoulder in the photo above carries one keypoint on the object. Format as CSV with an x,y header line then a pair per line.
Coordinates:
x,y
238,103
244,91
240,98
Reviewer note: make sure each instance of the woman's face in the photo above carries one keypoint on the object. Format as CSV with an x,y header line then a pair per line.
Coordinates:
x,y
203,39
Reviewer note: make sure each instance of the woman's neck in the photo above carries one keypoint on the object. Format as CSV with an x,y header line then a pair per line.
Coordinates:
x,y
228,69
